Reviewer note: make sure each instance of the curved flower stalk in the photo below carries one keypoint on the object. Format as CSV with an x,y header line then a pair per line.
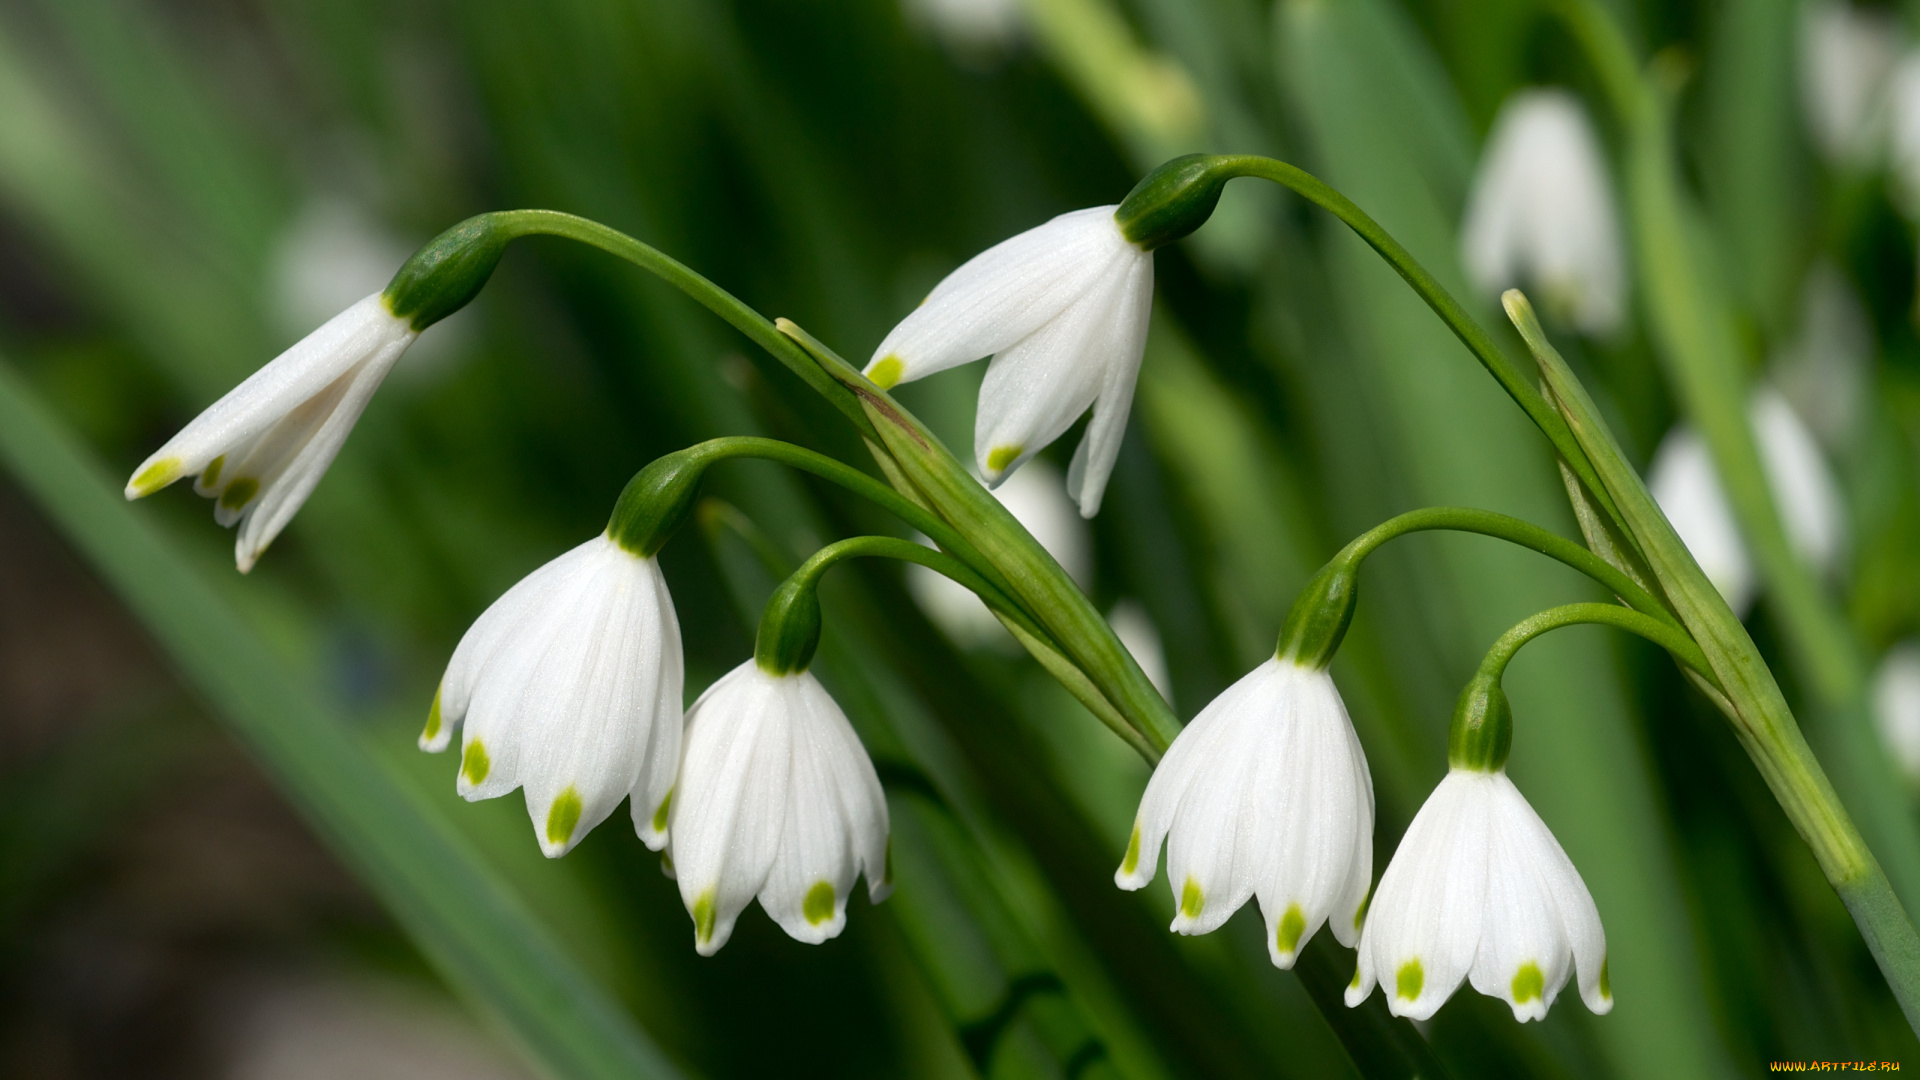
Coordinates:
x,y
777,799
1266,793
1480,890
569,686
1038,502
1062,308
259,451
1542,211
1687,486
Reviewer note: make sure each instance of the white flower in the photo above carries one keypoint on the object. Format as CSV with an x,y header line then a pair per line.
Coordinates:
x,y
1139,636
1542,211
1823,370
1266,793
1903,149
1038,502
1846,55
776,799
1479,889
1896,705
569,686
1063,310
975,29
259,451
1686,485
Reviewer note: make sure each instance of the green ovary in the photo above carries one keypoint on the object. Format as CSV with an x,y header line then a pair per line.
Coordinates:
x,y
239,493
1192,901
1292,925
1407,984
1002,456
474,763
887,372
563,816
1528,983
818,906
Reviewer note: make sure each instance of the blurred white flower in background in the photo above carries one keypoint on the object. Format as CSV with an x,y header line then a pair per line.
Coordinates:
x,y
1687,487
1542,215
975,30
1903,133
1135,629
1823,370
333,253
1896,705
1847,55
1039,501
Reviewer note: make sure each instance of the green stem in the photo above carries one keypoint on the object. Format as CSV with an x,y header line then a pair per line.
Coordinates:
x,y
518,223
1514,531
1516,383
1661,632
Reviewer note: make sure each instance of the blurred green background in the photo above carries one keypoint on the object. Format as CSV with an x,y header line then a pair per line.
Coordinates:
x,y
188,186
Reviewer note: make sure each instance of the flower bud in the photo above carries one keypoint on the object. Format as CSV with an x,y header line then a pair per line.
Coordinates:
x,y
446,274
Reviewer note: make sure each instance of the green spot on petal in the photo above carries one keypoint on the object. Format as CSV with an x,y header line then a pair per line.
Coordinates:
x,y
563,815
1606,988
1191,900
1528,983
1407,984
1002,456
887,372
818,906
660,813
1132,861
703,915
210,475
432,730
474,762
1360,913
240,493
1292,925
1355,984
156,476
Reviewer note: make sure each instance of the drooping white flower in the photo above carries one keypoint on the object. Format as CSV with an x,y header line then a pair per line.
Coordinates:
x,y
1846,56
1896,705
568,687
1266,793
1479,889
1903,132
1542,212
1036,499
974,29
1138,634
1687,486
1062,309
776,799
260,450
1822,371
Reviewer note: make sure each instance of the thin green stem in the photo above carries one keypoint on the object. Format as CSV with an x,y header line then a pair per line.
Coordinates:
x,y
1514,531
889,547
519,223
1510,376
1661,632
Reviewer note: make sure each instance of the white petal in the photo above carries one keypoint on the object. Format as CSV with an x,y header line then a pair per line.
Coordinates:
x,y
1100,447
813,873
1846,54
1687,487
1324,819
1896,705
310,366
1424,926
1525,955
1579,919
1803,487
1002,295
1225,830
657,772
728,810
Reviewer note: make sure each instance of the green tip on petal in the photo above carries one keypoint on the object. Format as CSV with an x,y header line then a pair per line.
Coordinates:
x,y
1002,456
886,859
474,763
1355,984
1286,937
1132,860
1606,988
1407,984
1360,913
886,373
563,816
155,476
239,493
818,906
210,475
703,917
660,812
432,730
1192,901
1528,983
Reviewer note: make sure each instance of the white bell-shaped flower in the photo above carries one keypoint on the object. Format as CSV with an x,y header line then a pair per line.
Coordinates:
x,y
1479,889
1847,54
1896,706
776,799
1266,793
259,451
1542,212
1687,486
569,686
1062,309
